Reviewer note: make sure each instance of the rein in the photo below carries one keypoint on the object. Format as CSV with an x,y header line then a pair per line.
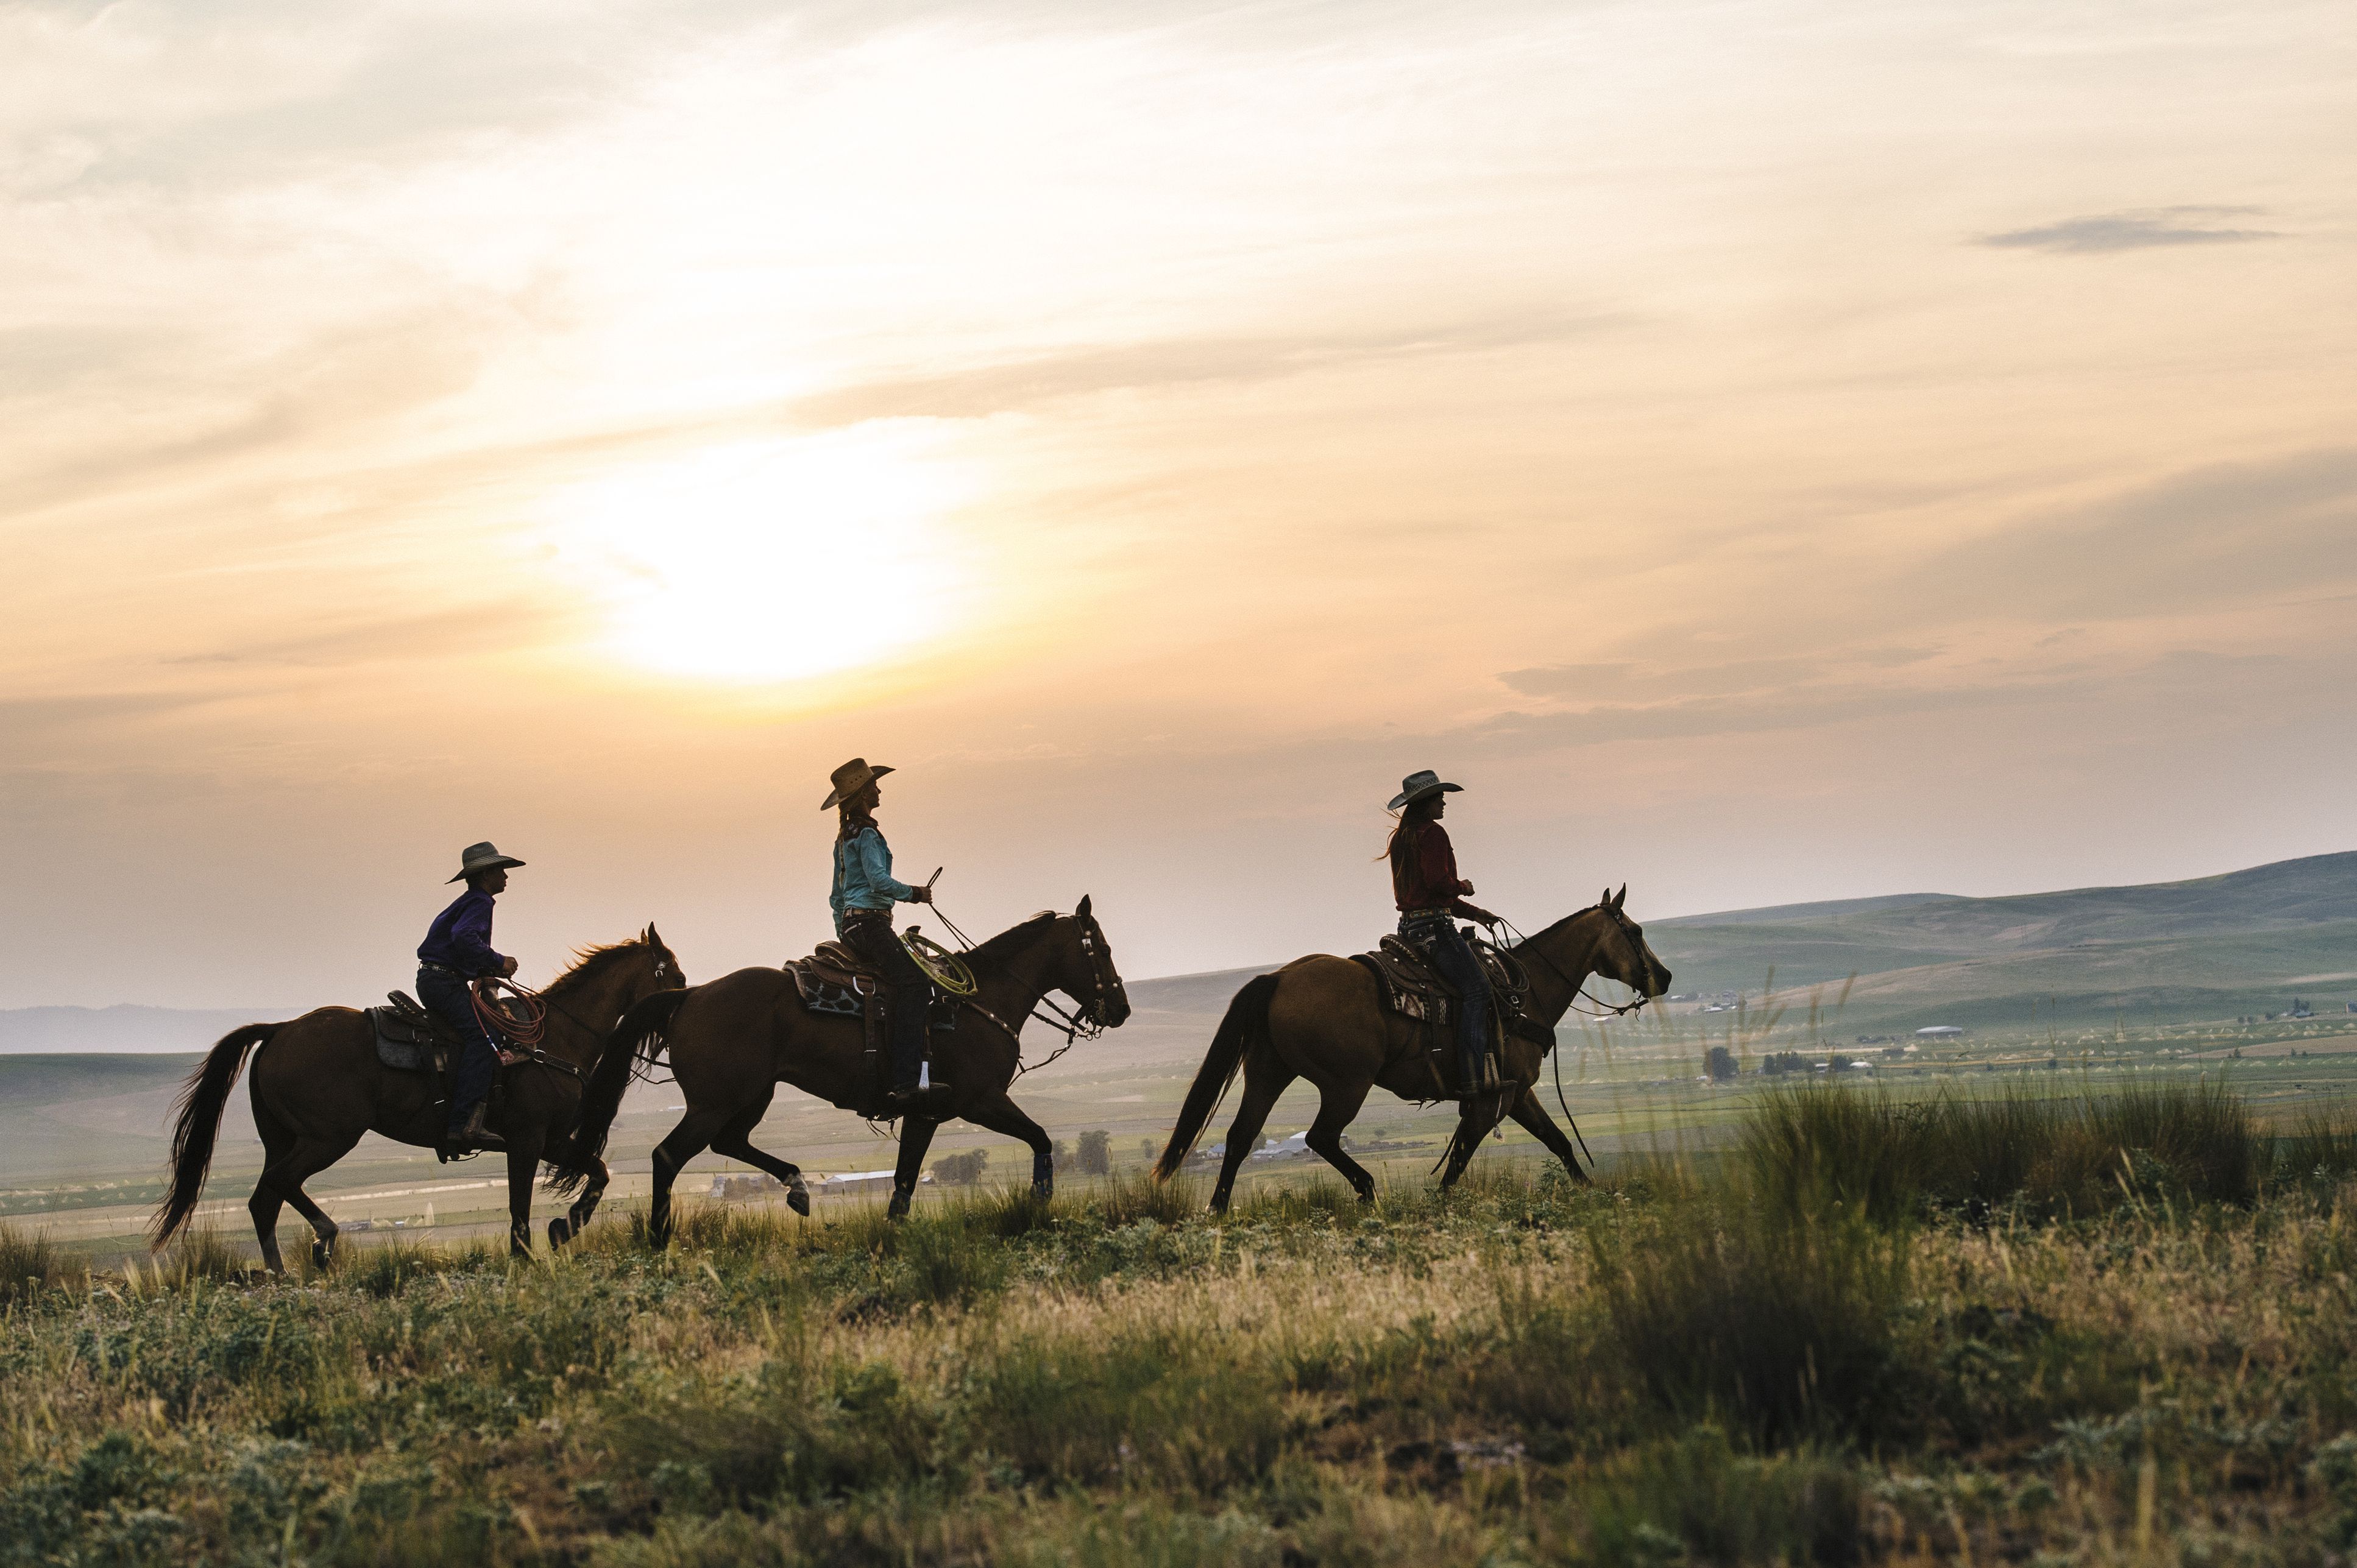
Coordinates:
x,y
1522,943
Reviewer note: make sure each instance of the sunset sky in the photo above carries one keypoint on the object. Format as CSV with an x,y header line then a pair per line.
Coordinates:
x,y
1764,451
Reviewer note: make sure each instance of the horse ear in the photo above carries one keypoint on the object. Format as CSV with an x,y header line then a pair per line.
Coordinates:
x,y
1620,897
1604,899
653,941
1082,912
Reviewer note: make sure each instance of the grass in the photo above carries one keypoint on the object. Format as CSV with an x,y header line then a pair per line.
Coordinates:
x,y
1817,1352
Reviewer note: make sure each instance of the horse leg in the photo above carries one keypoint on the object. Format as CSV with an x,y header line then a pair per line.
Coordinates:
x,y
1471,1128
1266,1078
1001,1115
687,1141
574,1220
307,1159
916,1137
1337,1108
277,1142
1540,1125
736,1141
524,1166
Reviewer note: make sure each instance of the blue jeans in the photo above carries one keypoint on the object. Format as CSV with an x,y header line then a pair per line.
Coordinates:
x,y
1452,955
479,1054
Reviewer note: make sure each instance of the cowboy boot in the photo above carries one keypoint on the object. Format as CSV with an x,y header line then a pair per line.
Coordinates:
x,y
475,1137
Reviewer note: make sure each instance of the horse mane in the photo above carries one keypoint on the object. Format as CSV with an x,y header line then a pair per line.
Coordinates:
x,y
588,963
997,948
1556,926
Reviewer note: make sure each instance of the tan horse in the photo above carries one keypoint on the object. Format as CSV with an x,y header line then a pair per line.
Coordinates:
x,y
1322,1018
733,1041
318,1086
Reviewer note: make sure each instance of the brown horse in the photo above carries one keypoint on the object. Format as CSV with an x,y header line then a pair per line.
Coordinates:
x,y
318,1086
734,1040
1322,1018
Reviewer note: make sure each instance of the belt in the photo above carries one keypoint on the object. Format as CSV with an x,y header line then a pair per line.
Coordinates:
x,y
851,915
442,969
1407,915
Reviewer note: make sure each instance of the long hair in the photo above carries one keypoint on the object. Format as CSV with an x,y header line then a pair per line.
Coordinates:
x,y
1402,843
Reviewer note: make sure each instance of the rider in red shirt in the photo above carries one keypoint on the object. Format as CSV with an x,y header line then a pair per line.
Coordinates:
x,y
1431,899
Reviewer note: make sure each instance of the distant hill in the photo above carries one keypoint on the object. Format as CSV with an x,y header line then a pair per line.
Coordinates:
x,y
122,1028
2210,948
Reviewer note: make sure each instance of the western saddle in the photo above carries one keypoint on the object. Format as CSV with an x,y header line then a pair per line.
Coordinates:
x,y
1412,988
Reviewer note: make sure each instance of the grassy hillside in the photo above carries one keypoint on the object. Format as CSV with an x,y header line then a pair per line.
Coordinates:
x,y
2170,953
2018,1330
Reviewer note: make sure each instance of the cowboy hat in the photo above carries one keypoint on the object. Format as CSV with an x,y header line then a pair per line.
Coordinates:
x,y
1416,786
482,857
849,779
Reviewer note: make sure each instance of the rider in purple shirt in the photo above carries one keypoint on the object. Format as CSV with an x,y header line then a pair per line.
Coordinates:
x,y
456,949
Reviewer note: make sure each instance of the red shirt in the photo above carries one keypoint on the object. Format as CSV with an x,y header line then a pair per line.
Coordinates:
x,y
1426,878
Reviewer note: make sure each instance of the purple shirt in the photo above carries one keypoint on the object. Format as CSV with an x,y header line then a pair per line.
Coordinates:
x,y
460,937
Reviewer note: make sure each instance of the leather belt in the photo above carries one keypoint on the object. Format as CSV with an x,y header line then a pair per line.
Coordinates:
x,y
442,969
851,915
1428,915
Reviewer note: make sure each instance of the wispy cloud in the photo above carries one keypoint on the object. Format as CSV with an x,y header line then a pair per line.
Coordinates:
x,y
2137,231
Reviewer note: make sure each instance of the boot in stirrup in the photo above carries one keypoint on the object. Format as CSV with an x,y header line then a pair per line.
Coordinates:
x,y
475,1137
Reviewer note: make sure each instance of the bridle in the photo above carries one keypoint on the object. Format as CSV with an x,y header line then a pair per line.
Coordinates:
x,y
1602,1009
1086,1023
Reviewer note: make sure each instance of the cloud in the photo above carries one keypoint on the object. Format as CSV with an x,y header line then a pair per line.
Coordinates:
x,y
1025,382
2103,232
463,633
2197,540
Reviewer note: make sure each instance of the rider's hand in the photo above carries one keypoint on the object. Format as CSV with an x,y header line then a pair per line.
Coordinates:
x,y
920,894
508,968
1466,889
1483,918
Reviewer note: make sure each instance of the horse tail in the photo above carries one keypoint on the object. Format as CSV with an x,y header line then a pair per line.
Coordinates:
x,y
1245,1025
639,1038
199,1112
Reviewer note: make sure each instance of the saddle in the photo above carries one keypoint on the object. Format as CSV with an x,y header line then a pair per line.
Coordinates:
x,y
408,1037
835,979
1412,988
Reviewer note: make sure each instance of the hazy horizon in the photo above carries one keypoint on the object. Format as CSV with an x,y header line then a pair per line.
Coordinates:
x,y
1766,452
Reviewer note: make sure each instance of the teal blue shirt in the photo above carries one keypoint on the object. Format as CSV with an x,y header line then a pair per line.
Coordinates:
x,y
862,877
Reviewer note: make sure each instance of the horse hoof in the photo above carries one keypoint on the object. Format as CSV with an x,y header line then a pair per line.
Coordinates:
x,y
797,1200
323,1252
1043,1190
560,1231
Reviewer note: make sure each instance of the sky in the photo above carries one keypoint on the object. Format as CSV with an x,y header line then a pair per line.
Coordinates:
x,y
1765,452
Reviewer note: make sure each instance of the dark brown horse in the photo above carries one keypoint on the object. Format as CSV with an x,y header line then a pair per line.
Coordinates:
x,y
733,1041
318,1086
1321,1018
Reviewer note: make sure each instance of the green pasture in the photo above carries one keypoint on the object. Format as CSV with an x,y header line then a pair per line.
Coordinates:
x,y
1955,1321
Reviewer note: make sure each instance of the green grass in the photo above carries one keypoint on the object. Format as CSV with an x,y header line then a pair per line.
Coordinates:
x,y
1814,1351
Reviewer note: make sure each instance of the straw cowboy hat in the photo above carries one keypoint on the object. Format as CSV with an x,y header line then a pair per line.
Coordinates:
x,y
849,779
483,857
1416,786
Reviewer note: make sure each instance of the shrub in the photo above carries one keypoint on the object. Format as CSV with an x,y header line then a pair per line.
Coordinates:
x,y
1782,1323
29,1264
1093,1156
960,1170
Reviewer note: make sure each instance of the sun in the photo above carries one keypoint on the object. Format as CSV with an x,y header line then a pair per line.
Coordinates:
x,y
771,559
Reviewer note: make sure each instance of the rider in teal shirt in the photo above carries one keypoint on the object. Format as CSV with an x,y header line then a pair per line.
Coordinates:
x,y
863,874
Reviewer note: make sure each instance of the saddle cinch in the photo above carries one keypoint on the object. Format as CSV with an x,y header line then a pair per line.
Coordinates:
x,y
836,978
1412,988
